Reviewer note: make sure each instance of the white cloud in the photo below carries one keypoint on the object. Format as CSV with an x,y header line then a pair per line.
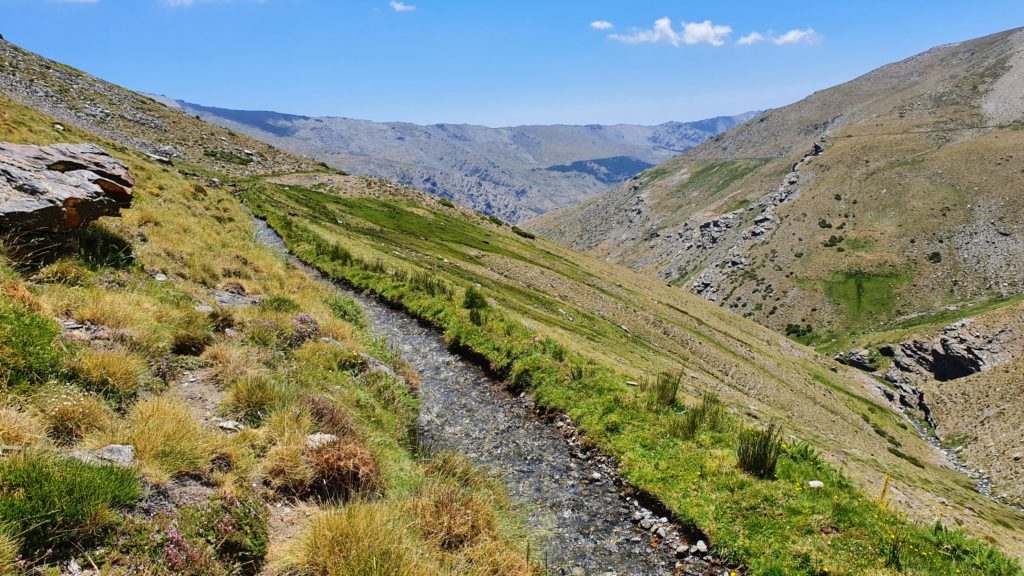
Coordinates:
x,y
808,36
662,32
693,33
794,36
401,6
705,33
601,25
752,38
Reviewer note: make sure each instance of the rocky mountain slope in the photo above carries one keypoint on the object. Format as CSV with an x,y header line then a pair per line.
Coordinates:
x,y
515,173
133,120
895,194
268,434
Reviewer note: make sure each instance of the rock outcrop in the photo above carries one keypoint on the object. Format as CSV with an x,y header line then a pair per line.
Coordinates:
x,y
955,353
59,188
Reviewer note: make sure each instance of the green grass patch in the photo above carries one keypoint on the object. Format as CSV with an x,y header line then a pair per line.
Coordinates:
x,y
29,352
53,502
773,526
865,297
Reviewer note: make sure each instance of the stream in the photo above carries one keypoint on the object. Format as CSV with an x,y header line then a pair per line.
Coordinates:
x,y
581,517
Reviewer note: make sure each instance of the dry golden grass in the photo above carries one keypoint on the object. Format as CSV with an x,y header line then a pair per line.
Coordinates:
x,y
343,469
168,440
68,272
16,291
498,558
231,361
8,556
285,422
358,539
285,468
71,414
331,416
453,518
110,371
20,427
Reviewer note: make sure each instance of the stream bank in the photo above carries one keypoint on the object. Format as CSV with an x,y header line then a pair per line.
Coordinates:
x,y
584,519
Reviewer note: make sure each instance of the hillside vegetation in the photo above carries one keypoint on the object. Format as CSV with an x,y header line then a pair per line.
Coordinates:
x,y
127,342
266,437
632,364
889,196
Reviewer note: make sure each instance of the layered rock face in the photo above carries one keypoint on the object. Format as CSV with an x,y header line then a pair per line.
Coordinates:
x,y
59,188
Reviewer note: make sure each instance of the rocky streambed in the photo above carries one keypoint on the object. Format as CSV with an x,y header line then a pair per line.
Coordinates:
x,y
584,519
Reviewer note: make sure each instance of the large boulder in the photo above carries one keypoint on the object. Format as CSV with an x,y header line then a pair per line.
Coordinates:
x,y
59,188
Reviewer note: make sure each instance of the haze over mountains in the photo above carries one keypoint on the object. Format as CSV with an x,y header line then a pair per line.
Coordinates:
x,y
515,173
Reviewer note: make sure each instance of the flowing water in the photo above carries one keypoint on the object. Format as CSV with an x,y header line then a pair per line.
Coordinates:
x,y
576,508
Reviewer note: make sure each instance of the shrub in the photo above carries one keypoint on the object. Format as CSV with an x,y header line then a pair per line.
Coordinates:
x,y
661,393
54,502
280,304
111,373
20,428
267,333
252,397
446,202
495,220
285,468
191,335
358,539
431,284
474,300
329,356
168,440
758,451
452,517
237,526
342,470
29,354
935,257
822,223
709,415
67,272
345,308
833,240
330,416
102,247
525,234
70,413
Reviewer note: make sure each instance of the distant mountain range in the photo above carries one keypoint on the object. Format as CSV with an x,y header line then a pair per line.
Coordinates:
x,y
515,173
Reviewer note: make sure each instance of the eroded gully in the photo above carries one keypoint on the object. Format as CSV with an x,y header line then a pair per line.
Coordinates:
x,y
583,520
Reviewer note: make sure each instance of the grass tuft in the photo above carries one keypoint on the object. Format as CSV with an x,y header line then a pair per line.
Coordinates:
x,y
758,451
54,502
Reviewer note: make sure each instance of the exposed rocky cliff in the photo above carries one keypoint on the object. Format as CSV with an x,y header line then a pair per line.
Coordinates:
x,y
59,188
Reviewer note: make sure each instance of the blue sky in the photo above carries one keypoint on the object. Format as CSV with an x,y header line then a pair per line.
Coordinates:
x,y
493,63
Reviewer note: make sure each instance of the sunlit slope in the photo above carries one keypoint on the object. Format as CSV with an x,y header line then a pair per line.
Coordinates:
x,y
911,204
616,326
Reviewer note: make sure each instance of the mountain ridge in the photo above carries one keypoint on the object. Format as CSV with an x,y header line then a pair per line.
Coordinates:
x,y
513,172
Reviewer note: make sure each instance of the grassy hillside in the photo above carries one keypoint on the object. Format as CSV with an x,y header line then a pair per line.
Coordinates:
x,y
631,362
98,349
910,207
682,392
